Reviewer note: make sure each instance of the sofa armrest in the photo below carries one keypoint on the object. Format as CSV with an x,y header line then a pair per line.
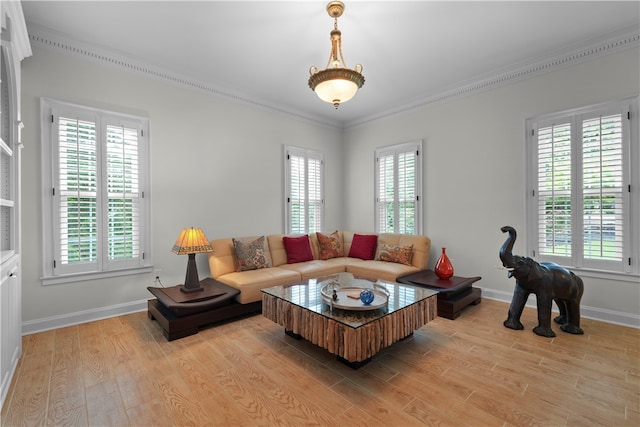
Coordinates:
x,y
221,260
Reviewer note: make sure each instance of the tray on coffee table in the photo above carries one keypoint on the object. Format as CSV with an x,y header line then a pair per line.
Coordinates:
x,y
348,298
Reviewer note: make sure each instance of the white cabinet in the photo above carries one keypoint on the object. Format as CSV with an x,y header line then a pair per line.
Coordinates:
x,y
14,47
10,322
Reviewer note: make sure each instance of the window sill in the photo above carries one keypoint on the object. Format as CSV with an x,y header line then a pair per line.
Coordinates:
x,y
608,275
82,277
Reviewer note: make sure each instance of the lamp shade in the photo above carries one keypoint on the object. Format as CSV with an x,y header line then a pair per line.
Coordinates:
x,y
336,90
191,241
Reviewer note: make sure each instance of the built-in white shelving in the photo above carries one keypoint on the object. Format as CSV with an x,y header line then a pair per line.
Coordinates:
x,y
15,47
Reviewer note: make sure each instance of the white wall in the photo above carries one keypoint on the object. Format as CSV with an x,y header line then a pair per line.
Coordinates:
x,y
474,171
216,164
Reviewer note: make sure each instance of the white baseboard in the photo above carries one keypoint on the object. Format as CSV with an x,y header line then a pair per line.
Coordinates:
x,y
78,317
595,313
62,320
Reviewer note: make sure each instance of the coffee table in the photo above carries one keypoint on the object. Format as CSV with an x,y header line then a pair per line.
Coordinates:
x,y
353,335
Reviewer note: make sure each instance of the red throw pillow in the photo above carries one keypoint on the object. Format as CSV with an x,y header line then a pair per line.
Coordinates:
x,y
298,249
363,246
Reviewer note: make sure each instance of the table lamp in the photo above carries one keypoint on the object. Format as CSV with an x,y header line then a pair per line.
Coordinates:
x,y
191,241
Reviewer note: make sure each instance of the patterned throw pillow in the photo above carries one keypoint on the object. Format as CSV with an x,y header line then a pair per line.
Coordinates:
x,y
398,254
251,255
329,246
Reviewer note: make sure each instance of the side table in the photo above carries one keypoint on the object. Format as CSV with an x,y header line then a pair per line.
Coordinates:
x,y
454,294
181,314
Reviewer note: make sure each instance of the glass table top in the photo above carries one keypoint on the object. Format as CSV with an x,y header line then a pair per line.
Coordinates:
x,y
309,295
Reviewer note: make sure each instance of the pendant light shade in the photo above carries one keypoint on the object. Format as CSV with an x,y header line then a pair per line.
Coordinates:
x,y
336,83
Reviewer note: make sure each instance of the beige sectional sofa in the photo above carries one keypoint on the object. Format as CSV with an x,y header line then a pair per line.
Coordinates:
x,y
223,262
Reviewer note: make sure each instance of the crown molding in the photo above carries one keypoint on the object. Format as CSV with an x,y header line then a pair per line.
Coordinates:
x,y
626,39
623,40
49,39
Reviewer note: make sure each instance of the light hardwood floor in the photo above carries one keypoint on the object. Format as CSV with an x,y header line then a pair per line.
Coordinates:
x,y
471,371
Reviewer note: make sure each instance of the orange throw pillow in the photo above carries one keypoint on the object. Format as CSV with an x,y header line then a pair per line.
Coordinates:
x,y
330,246
397,254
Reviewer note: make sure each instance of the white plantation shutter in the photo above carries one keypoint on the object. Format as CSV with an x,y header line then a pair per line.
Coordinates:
x,y
386,193
314,194
603,187
123,193
398,183
97,209
407,197
581,197
554,189
297,195
77,192
304,192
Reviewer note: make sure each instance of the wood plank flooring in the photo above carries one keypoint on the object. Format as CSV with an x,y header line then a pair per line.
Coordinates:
x,y
471,371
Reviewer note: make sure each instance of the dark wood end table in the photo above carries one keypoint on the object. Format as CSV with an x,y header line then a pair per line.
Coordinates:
x,y
181,314
454,294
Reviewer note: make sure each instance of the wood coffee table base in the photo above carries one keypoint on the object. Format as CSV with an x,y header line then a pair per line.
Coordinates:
x,y
352,365
355,346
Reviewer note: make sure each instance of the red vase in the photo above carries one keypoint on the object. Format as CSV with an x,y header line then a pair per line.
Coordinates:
x,y
444,268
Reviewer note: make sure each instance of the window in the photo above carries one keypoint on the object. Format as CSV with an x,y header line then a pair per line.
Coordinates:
x,y
304,191
398,189
580,201
96,212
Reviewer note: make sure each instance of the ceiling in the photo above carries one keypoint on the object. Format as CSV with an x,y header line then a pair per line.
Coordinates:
x,y
412,52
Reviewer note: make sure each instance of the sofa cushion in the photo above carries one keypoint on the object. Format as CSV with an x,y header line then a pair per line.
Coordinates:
x,y
251,253
298,249
399,254
316,268
250,283
382,270
329,246
363,246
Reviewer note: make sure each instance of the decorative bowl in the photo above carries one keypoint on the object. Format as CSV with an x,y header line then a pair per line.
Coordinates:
x,y
367,296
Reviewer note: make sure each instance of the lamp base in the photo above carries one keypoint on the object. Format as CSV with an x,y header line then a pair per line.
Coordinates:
x,y
185,289
191,280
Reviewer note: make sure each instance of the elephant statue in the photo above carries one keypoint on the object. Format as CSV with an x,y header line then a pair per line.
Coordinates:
x,y
549,282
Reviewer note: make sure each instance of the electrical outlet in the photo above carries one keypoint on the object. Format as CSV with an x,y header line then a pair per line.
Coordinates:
x,y
156,275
